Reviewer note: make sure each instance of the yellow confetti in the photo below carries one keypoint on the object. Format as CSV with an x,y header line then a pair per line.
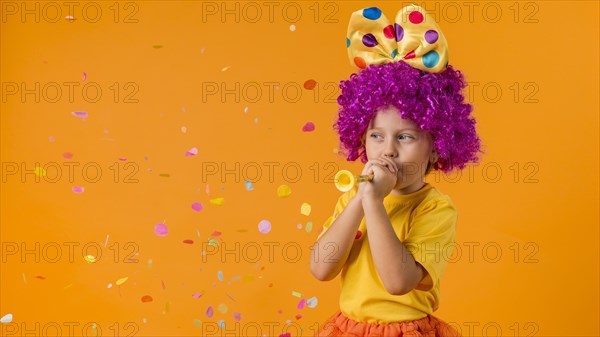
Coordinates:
x,y
305,209
222,308
217,201
284,191
90,258
225,69
213,242
197,323
297,294
121,281
39,171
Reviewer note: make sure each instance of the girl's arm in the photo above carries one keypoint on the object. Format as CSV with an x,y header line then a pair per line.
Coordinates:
x,y
396,267
329,254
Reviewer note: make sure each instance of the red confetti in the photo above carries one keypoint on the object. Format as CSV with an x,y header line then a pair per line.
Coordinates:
x,y
146,298
40,277
189,242
308,127
310,84
215,234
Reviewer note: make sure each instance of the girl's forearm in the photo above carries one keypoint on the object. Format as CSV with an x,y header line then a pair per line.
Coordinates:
x,y
330,252
394,263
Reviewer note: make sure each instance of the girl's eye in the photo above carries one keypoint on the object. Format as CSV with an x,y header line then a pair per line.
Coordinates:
x,y
376,136
405,137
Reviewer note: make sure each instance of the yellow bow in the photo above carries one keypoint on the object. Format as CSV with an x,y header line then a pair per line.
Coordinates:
x,y
414,38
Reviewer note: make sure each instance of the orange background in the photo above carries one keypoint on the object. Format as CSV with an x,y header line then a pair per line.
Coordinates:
x,y
528,213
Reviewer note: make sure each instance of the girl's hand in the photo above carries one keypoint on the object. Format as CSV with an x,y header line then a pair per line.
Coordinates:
x,y
386,176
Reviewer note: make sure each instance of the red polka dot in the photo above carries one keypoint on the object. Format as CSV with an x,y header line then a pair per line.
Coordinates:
x,y
389,32
360,62
410,55
358,235
415,17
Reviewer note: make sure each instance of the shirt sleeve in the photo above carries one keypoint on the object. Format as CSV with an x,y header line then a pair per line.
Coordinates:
x,y
432,238
339,207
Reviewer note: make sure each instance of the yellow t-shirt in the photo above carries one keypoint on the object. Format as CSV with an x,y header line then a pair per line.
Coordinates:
x,y
425,222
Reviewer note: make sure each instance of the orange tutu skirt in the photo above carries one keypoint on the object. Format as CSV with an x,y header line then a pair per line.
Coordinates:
x,y
428,326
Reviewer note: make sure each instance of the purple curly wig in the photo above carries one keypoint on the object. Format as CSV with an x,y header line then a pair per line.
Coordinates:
x,y
433,101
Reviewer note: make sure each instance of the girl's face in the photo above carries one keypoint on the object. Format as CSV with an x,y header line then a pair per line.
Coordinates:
x,y
402,141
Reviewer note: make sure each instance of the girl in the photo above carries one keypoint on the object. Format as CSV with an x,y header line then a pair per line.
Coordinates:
x,y
403,113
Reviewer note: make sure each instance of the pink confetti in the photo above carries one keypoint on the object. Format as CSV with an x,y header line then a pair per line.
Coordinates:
x,y
287,334
207,189
67,155
197,206
237,316
78,189
196,295
192,152
80,114
161,229
301,304
84,76
308,127
122,159
264,226
51,139
209,312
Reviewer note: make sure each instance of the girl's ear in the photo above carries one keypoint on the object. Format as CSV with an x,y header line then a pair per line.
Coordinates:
x,y
433,158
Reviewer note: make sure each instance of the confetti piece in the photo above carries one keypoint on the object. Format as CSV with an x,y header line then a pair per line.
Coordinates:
x,y
39,171
312,302
310,84
89,258
293,28
248,185
264,226
213,242
301,304
192,152
162,284
226,68
167,307
6,318
209,312
24,279
284,191
298,316
161,229
106,242
255,120
308,127
40,277
80,114
220,275
78,189
109,286
309,226
197,206
217,201
246,110
299,226
197,322
297,294
189,242
237,316
145,320
157,46
287,334
207,189
51,139
84,76
222,308
305,209
121,281
146,299
122,159
70,18
198,232
202,51
196,295
221,324
215,234
183,129
149,263
164,175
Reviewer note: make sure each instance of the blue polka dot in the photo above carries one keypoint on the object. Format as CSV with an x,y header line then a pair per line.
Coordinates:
x,y
394,53
431,59
372,13
347,42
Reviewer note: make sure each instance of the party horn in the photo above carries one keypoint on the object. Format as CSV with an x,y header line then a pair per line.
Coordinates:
x,y
344,180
